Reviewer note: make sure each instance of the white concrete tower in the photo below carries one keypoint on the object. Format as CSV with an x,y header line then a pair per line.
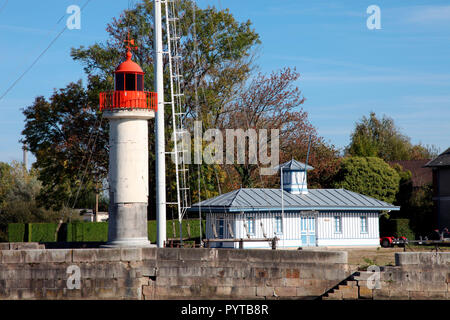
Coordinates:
x,y
128,109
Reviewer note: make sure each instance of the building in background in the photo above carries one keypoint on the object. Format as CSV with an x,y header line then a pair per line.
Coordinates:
x,y
441,189
298,216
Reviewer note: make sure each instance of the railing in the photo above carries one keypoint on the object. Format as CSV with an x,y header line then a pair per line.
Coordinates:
x,y
241,241
128,100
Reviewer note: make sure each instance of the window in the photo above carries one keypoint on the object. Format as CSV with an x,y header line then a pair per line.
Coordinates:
x,y
363,224
337,224
140,82
119,81
278,225
130,81
221,229
251,225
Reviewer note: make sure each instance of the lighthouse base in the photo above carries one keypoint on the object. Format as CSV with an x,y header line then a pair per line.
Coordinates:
x,y
128,225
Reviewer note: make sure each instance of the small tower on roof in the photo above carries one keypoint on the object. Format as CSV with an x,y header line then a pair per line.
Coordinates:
x,y
128,109
294,176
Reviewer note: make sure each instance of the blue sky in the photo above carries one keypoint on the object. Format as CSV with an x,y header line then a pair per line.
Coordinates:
x,y
347,70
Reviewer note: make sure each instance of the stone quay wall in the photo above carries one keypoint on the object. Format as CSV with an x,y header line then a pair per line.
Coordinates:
x,y
415,276
167,273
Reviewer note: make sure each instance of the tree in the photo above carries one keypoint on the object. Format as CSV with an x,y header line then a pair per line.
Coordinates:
x,y
69,139
374,137
370,176
68,135
18,200
273,102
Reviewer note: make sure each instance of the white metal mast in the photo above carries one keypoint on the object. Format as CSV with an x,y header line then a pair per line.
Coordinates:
x,y
160,141
178,112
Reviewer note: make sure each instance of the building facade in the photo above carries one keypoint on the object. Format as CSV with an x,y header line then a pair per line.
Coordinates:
x,y
298,217
441,189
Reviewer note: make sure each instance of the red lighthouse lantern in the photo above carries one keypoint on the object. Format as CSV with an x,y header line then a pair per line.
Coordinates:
x,y
128,87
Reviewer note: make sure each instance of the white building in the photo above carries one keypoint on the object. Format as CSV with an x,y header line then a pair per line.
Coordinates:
x,y
297,216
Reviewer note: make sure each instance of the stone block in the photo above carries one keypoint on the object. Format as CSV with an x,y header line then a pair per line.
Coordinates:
x,y
190,254
130,254
285,291
294,282
277,282
418,295
406,258
305,256
35,256
350,293
243,292
168,254
84,255
4,246
293,273
24,245
148,292
262,291
434,258
232,255
167,272
59,255
399,294
105,293
223,291
438,295
365,292
263,256
149,253
381,294
129,293
148,268
12,256
108,255
52,294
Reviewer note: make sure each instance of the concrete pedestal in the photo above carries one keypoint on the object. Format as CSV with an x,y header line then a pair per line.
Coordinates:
x,y
128,178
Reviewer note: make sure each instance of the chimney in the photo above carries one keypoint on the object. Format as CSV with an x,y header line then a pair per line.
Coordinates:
x,y
294,176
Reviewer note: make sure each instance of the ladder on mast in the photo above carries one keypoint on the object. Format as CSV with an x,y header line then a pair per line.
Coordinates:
x,y
178,112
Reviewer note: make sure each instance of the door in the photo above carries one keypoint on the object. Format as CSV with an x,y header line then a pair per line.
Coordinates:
x,y
221,232
308,231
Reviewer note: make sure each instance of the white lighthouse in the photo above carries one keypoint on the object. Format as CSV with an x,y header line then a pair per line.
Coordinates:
x,y
128,109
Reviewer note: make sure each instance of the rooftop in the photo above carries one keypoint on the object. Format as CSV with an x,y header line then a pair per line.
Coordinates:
x,y
294,165
442,160
256,199
420,175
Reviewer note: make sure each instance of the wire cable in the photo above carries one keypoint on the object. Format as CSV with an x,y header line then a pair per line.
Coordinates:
x,y
39,56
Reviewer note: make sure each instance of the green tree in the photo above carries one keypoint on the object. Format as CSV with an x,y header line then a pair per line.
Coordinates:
x,y
374,137
69,139
370,176
19,194
68,135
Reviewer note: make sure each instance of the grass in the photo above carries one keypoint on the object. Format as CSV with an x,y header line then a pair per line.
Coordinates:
x,y
361,258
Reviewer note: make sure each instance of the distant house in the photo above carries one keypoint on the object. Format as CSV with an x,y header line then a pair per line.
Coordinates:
x,y
441,188
420,175
297,216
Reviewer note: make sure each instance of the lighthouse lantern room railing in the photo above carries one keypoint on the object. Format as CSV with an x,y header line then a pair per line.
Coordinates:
x,y
111,100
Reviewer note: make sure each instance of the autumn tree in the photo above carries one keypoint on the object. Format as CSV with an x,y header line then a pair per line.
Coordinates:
x,y
268,102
